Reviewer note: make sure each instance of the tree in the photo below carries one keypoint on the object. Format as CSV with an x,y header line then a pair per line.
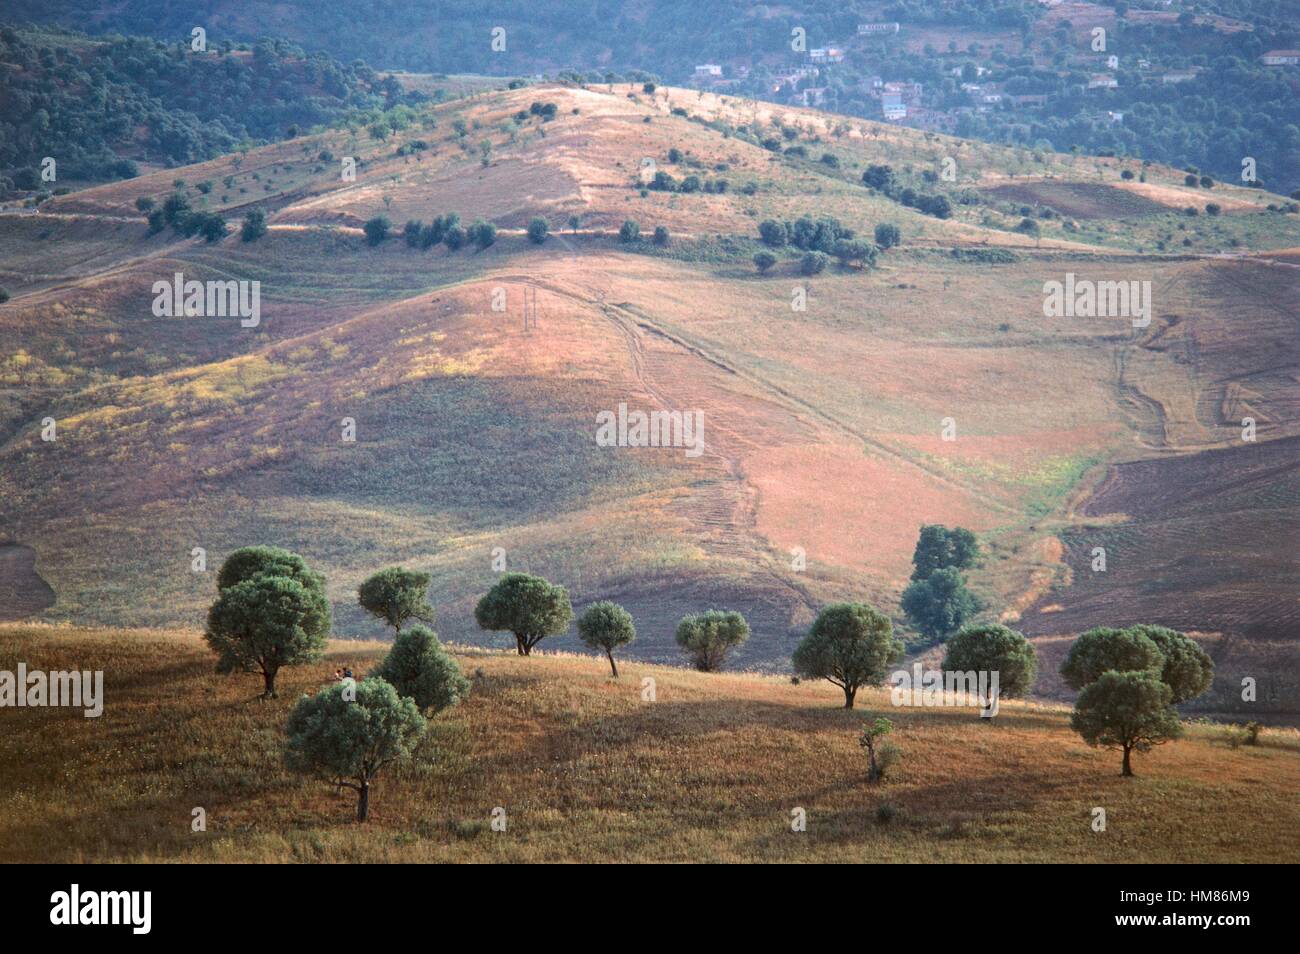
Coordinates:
x,y
879,177
254,226
482,233
1188,669
396,595
349,741
376,229
265,623
630,232
606,626
888,235
994,648
812,263
1103,649
849,645
709,636
940,603
855,250
773,233
661,235
420,669
538,229
880,754
248,562
1126,710
939,548
455,237
764,261
527,606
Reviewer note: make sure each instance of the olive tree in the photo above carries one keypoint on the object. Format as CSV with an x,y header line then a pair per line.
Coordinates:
x,y
350,740
1188,669
850,645
940,603
994,648
420,669
527,606
1103,649
1126,710
606,626
269,619
396,596
709,636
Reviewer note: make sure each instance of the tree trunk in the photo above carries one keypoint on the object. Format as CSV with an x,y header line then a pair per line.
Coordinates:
x,y
528,647
612,665
268,682
519,645
363,802
849,694
1128,768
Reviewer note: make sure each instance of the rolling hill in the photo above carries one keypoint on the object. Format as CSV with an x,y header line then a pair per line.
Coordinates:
x,y
586,770
824,427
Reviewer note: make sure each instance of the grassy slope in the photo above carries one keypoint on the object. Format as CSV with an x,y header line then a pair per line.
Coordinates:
x,y
587,771
473,435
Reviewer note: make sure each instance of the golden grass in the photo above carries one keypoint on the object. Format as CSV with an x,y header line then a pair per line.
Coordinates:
x,y
587,771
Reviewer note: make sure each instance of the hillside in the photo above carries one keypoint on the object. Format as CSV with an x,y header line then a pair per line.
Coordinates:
x,y
1182,82
823,427
587,771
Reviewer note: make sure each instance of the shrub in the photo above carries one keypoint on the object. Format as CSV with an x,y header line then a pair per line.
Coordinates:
x,y
349,741
709,636
421,670
773,233
376,229
254,226
881,754
630,232
455,237
661,235
764,260
812,263
482,233
144,204
606,626
855,250
538,229
888,235
411,233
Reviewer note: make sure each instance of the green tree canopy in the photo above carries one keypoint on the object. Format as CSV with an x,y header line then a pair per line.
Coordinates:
x,y
1188,669
994,648
939,604
527,606
1103,649
397,595
709,636
850,645
420,669
248,562
1126,710
940,548
265,623
606,626
349,741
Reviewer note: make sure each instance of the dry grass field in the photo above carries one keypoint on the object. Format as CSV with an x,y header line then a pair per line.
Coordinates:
x,y
587,771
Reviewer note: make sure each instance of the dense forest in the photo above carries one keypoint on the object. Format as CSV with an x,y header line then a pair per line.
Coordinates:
x,y
100,105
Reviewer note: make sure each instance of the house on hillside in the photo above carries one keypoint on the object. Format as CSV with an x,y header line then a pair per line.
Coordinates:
x,y
1029,99
1281,58
708,71
876,29
1102,81
826,54
1180,76
892,105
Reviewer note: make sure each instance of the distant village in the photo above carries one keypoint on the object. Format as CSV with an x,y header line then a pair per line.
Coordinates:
x,y
900,101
